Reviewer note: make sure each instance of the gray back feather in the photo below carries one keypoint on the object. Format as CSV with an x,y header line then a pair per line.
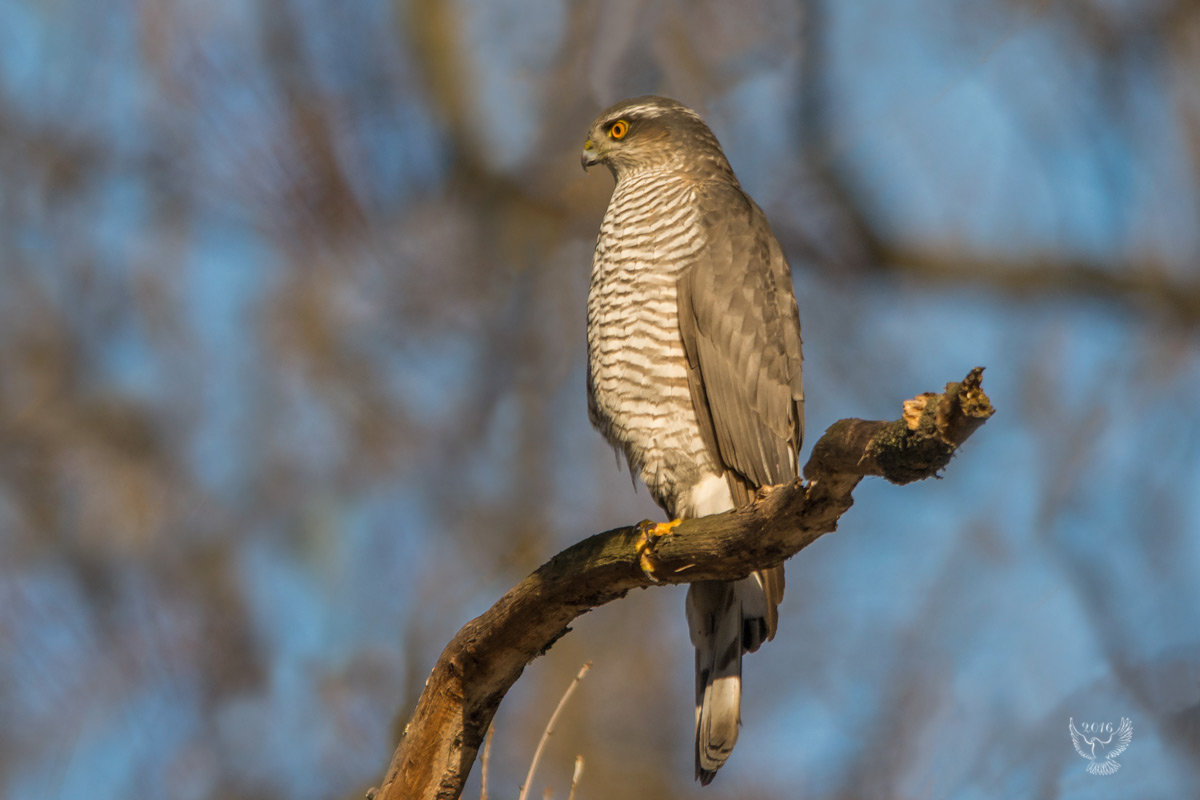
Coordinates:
x,y
741,332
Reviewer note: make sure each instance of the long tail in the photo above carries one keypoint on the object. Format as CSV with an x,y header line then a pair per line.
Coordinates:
x,y
726,619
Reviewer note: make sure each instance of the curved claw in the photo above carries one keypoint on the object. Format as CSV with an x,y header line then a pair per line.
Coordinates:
x,y
648,535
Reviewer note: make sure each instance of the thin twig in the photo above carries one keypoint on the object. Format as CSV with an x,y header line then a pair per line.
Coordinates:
x,y
537,754
487,751
575,776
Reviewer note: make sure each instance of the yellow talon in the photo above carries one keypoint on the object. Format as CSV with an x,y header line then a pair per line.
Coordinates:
x,y
648,535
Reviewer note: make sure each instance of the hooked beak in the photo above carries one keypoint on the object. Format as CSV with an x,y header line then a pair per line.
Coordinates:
x,y
590,156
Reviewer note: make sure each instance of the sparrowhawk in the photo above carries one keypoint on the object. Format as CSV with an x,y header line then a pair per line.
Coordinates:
x,y
694,365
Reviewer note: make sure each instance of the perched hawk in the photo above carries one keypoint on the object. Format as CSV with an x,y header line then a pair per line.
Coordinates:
x,y
694,365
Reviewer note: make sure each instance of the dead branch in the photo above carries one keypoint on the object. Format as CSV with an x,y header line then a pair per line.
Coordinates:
x,y
487,656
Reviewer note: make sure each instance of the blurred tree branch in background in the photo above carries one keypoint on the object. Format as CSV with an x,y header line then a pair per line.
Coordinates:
x,y
852,233
1143,286
488,655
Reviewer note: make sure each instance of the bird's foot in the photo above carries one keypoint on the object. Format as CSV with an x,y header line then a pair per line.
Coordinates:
x,y
648,535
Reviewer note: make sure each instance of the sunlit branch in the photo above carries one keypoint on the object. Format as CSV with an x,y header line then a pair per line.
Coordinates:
x,y
489,653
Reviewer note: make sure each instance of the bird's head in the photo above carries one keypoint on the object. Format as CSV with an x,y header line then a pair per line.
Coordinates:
x,y
653,133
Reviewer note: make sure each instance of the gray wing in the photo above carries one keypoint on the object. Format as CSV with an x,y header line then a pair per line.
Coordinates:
x,y
741,332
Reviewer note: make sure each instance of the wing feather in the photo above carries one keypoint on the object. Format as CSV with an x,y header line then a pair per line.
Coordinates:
x,y
741,332
1077,739
1123,738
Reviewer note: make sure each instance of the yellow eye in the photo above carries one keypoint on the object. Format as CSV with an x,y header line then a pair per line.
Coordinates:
x,y
619,129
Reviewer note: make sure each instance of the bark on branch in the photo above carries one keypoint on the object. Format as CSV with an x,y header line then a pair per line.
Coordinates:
x,y
487,656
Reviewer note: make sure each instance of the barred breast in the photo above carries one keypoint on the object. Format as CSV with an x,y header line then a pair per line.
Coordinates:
x,y
638,395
